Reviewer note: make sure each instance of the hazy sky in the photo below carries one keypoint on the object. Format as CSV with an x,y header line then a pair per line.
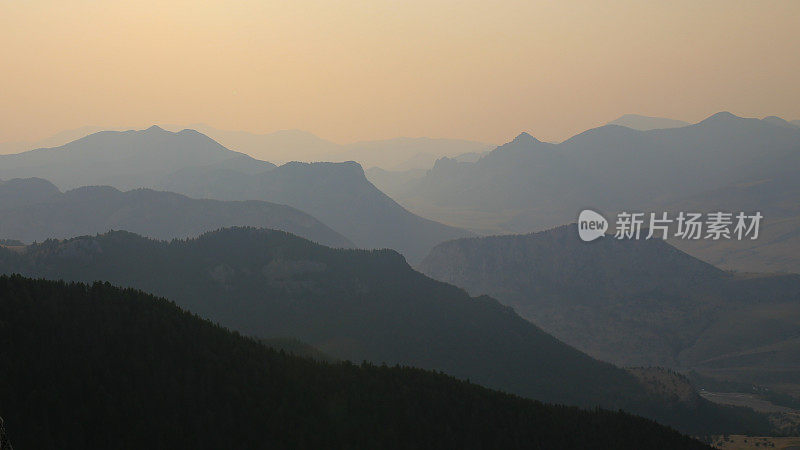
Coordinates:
x,y
352,70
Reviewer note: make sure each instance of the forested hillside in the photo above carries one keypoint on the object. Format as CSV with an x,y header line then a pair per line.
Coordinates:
x,y
360,305
98,367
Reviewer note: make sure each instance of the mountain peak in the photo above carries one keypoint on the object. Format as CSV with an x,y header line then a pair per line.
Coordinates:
x,y
775,120
721,117
525,138
155,128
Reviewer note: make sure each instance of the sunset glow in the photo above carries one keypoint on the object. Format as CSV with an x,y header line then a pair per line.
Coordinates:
x,y
353,70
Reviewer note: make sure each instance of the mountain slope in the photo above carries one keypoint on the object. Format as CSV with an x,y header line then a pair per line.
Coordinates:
x,y
55,140
357,305
633,302
35,210
131,371
123,159
296,145
281,146
339,194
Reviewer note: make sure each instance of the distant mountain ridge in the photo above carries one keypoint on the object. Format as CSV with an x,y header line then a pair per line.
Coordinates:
x,y
599,167
357,305
646,123
337,193
124,159
407,153
282,146
527,185
35,210
401,153
190,163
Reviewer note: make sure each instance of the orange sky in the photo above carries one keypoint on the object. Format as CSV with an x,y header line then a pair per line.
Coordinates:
x,y
352,70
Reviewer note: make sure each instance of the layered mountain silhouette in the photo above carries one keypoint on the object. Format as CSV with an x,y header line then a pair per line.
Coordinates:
x,y
337,193
402,153
35,210
359,305
129,367
396,154
190,163
123,159
528,185
635,303
282,145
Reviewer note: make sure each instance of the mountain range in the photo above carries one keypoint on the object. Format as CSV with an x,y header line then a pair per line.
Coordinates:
x,y
528,185
35,210
130,370
401,153
636,302
190,163
123,159
362,305
339,194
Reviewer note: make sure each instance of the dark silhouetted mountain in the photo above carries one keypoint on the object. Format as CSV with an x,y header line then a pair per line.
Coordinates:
x,y
35,210
339,194
646,123
130,370
298,348
359,305
527,185
635,302
123,159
